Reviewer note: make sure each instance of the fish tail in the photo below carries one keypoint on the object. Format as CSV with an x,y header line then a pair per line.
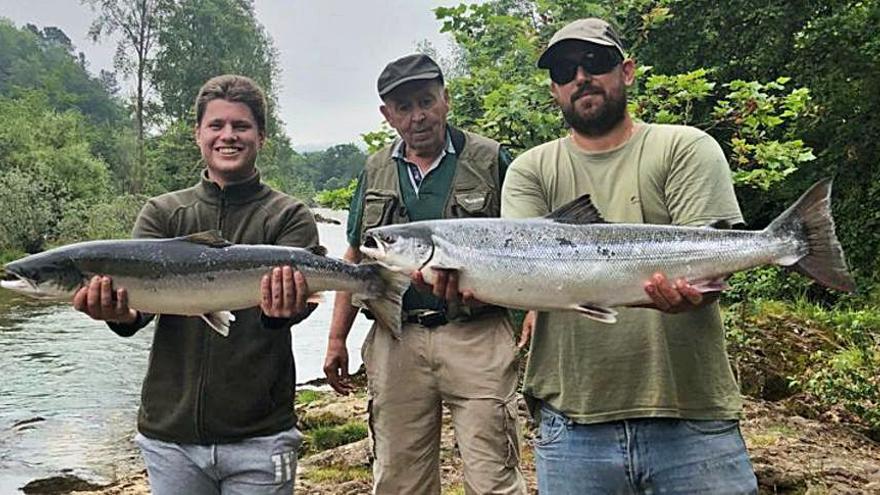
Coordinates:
x,y
385,301
809,220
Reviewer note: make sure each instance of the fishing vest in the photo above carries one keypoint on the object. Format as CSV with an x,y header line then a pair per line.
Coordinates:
x,y
475,190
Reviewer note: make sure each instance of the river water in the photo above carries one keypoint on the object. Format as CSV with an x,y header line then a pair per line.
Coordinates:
x,y
70,388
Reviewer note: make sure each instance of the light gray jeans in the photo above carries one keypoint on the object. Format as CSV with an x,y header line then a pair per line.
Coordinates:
x,y
259,466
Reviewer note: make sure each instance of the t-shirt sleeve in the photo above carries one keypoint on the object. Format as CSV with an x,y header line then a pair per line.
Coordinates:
x,y
355,209
699,189
522,195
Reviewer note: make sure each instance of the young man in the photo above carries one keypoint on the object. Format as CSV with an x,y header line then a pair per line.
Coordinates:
x,y
216,414
448,353
650,405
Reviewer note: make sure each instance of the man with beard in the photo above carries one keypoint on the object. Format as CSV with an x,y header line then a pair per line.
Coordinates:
x,y
649,405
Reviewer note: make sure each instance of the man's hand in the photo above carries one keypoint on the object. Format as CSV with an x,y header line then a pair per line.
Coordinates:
x,y
674,297
284,293
336,367
528,327
101,302
445,286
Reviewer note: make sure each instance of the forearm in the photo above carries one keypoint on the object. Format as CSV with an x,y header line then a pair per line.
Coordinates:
x,y
343,317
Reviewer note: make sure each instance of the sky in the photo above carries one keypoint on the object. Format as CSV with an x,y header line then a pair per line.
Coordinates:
x,y
330,53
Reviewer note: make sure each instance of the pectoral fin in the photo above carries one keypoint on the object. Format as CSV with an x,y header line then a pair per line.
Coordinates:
x,y
219,321
598,313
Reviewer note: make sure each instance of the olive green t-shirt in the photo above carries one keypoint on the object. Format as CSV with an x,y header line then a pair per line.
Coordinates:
x,y
648,364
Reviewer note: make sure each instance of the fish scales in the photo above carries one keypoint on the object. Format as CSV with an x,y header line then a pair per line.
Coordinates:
x,y
574,260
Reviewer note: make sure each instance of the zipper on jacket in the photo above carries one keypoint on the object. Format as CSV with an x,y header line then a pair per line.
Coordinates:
x,y
205,367
199,415
222,212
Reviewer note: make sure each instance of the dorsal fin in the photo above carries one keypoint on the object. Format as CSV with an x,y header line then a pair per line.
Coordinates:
x,y
211,238
318,250
580,211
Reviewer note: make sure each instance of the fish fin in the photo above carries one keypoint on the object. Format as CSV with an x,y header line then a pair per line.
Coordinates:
x,y
809,220
219,321
385,304
212,238
598,313
318,250
720,225
707,286
580,211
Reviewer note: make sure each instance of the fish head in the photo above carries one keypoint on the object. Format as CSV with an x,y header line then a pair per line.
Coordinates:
x,y
43,276
405,247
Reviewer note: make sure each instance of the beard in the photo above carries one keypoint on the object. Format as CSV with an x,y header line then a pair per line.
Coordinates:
x,y
602,118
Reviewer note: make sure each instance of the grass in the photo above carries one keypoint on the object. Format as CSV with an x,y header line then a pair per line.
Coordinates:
x,y
338,474
771,436
307,396
328,437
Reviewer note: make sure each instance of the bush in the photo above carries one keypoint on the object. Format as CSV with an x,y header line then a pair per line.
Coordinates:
x,y
337,199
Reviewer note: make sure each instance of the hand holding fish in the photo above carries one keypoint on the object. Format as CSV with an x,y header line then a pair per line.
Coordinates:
x,y
676,297
284,293
445,286
101,302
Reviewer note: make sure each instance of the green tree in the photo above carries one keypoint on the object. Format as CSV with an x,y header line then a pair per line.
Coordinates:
x,y
137,23
201,39
44,60
47,167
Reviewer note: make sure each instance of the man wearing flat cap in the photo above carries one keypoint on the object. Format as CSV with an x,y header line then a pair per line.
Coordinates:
x,y
649,404
462,355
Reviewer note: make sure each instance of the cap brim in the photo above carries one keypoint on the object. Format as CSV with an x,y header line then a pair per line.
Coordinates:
x,y
546,57
423,76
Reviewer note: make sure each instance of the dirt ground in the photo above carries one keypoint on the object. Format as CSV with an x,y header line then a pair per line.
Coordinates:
x,y
791,455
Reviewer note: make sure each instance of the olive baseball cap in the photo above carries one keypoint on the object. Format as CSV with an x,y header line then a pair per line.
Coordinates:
x,y
405,69
591,29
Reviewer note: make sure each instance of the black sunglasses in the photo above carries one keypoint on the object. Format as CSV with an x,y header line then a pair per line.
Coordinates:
x,y
594,62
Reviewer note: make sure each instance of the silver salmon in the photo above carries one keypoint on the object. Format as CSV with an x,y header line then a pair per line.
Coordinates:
x,y
573,260
200,275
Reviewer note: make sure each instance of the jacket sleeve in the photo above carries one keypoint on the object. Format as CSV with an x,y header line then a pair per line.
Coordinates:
x,y
297,230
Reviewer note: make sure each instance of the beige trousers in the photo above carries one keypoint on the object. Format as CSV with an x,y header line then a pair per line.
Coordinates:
x,y
471,367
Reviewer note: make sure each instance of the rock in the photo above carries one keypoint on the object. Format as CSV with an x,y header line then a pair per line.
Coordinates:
x,y
59,485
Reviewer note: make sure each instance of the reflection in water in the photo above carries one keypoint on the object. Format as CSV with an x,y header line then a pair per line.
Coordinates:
x,y
70,388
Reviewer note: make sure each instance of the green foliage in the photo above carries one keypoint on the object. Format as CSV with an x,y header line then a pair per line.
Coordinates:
x,y
47,167
338,474
337,199
28,213
308,396
328,437
379,138
200,39
832,356
44,60
113,219
174,158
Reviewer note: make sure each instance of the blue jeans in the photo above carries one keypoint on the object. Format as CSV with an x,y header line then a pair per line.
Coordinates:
x,y
645,456
259,465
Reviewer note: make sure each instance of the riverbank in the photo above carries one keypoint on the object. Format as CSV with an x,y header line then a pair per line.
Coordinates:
x,y
791,454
